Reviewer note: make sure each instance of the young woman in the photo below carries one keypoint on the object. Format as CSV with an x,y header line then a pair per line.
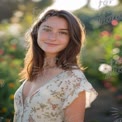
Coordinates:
x,y
54,87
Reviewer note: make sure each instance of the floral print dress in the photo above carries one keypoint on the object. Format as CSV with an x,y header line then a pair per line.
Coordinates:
x,y
47,104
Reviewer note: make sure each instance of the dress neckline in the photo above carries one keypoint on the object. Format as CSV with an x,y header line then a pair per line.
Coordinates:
x,y
49,81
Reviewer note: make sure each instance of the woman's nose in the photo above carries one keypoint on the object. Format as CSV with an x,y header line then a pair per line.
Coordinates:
x,y
52,36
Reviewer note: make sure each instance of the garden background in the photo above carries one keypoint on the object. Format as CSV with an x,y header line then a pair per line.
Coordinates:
x,y
101,54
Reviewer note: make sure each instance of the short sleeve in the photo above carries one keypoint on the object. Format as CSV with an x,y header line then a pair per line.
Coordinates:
x,y
76,84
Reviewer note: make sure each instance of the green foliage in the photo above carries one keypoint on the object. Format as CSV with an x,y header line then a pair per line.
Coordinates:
x,y
11,54
104,47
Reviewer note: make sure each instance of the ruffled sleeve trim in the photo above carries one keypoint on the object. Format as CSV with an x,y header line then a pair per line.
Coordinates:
x,y
80,86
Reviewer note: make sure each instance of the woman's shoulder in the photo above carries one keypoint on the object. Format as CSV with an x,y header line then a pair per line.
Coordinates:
x,y
70,77
76,72
20,87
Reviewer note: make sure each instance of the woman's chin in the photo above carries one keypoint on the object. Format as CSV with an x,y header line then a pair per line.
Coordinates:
x,y
51,52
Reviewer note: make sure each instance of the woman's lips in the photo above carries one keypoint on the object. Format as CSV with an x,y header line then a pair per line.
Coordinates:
x,y
50,44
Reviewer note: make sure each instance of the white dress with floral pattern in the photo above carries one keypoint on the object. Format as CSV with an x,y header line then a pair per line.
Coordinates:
x,y
47,104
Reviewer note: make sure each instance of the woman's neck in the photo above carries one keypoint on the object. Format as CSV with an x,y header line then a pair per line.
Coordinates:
x,y
49,62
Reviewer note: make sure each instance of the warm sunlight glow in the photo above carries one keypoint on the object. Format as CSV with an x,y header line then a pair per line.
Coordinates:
x,y
72,5
69,4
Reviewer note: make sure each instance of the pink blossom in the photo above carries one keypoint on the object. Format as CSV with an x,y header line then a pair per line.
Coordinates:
x,y
1,51
114,22
117,37
105,33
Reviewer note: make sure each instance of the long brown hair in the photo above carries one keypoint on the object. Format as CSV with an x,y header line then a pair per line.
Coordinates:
x,y
67,58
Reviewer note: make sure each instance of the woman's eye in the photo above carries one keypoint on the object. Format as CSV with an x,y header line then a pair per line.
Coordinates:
x,y
65,33
46,29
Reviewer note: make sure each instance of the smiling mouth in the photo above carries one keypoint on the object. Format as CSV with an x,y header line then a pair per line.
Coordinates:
x,y
51,44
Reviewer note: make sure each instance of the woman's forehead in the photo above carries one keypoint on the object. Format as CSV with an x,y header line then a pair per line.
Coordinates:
x,y
55,21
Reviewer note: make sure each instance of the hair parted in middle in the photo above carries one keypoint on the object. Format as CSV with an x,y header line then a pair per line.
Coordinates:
x,y
34,59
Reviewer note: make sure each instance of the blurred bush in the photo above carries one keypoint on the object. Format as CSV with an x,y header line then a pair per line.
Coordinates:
x,y
103,57
11,55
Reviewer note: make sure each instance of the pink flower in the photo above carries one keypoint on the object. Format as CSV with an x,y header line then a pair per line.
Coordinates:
x,y
114,22
117,37
1,51
105,33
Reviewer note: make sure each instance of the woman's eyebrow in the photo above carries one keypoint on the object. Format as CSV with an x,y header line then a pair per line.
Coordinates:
x,y
47,26
64,29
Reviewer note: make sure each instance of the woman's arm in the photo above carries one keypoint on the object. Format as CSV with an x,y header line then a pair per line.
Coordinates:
x,y
75,112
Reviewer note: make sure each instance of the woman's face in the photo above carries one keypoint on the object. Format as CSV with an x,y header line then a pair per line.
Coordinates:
x,y
53,35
